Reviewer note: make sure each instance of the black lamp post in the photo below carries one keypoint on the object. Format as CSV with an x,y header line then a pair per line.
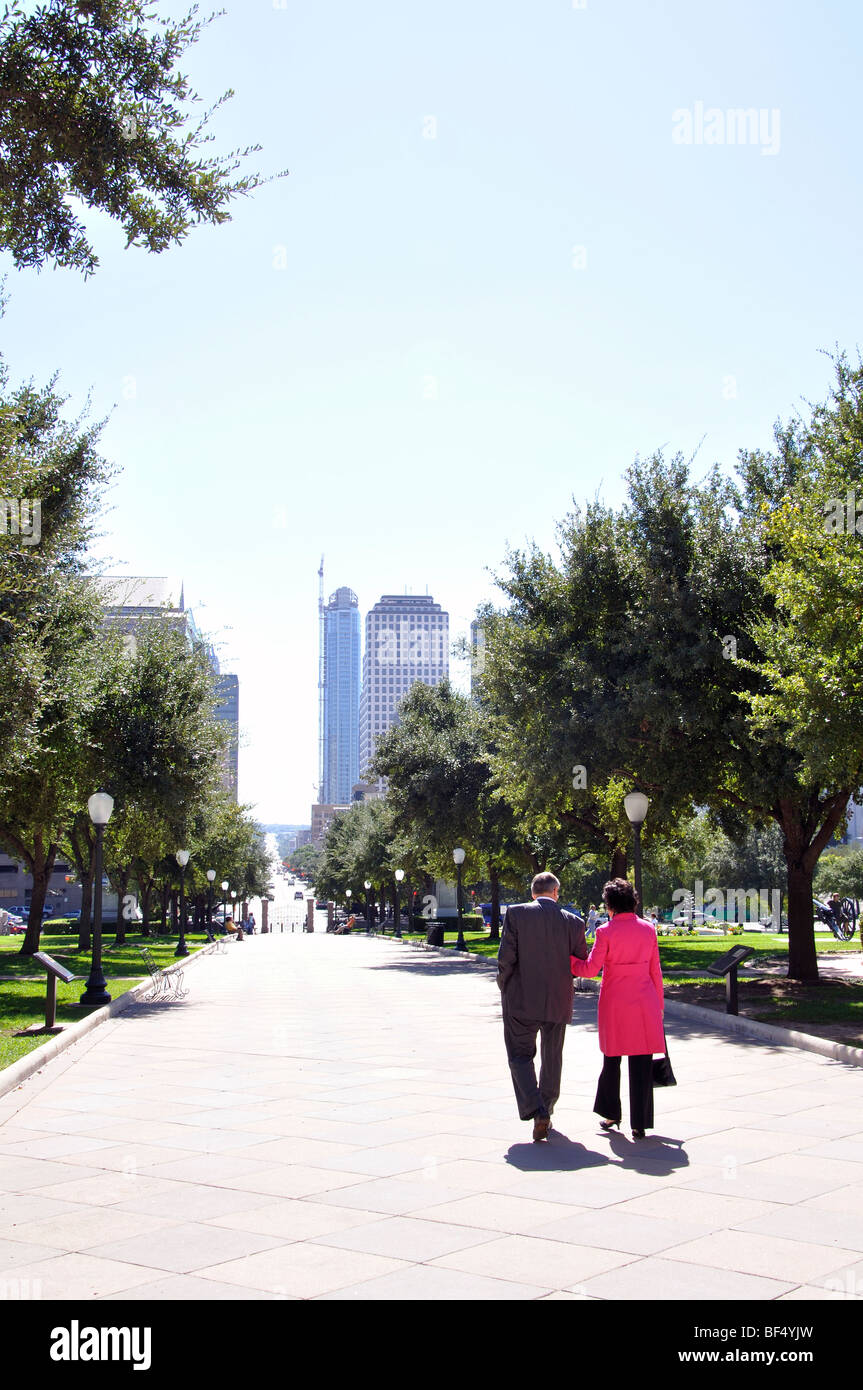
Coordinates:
x,y
182,858
211,874
100,806
399,875
224,887
458,860
635,805
370,917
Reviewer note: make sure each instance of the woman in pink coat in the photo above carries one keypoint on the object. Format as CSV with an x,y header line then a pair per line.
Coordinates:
x,y
631,1006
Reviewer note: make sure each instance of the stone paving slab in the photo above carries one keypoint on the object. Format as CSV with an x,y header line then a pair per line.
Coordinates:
x,y
332,1118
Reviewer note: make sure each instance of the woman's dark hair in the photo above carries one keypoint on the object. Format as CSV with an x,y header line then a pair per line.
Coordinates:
x,y
619,895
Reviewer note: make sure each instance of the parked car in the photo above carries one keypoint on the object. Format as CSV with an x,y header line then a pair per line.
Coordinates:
x,y
694,919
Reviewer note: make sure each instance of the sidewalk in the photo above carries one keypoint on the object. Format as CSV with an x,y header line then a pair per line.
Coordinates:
x,y
330,1117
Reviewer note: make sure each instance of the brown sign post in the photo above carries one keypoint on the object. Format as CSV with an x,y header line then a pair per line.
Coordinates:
x,y
55,972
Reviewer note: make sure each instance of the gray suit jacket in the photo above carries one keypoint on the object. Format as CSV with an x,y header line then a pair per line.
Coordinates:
x,y
533,971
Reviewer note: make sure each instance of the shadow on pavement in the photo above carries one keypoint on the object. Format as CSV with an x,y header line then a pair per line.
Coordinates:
x,y
424,966
657,1154
557,1154
147,1007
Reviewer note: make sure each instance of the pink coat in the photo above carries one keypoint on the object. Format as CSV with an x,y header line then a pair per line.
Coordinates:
x,y
630,999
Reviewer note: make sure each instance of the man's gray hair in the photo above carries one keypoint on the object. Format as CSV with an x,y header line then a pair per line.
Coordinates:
x,y
544,883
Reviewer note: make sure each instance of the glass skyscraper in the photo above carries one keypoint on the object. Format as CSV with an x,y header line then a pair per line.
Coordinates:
x,y
341,697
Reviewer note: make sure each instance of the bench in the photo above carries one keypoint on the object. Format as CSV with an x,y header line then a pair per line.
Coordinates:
x,y
165,987
217,941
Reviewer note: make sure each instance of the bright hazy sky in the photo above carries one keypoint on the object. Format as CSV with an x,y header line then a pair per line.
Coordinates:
x,y
492,277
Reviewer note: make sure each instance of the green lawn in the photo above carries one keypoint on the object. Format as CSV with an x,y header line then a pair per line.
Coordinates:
x,y
692,954
772,1000
695,953
22,999
23,1003
116,960
476,941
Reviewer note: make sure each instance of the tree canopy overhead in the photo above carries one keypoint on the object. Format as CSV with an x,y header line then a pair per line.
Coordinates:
x,y
93,108
676,647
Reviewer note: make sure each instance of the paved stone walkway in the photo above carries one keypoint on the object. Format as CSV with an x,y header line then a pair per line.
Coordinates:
x,y
332,1118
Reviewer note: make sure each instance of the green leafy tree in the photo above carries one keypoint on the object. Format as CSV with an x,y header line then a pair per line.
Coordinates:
x,y
361,844
94,109
155,744
305,860
443,792
757,861
840,873
639,658
51,470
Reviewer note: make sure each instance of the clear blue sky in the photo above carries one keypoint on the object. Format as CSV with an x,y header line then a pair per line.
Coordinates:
x,y
397,357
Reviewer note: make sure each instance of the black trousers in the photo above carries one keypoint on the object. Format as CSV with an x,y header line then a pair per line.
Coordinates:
x,y
607,1103
519,1035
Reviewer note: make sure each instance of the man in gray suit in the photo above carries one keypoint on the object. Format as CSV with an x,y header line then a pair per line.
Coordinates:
x,y
535,981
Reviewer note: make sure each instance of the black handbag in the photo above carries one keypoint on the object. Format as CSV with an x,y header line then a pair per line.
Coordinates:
x,y
662,1073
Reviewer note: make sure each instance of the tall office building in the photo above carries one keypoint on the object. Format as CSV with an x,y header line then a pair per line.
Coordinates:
x,y
341,697
407,640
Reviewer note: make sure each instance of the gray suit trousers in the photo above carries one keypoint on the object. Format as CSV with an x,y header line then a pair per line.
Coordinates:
x,y
519,1035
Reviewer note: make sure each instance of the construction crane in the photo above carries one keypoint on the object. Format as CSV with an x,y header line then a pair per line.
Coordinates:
x,y
321,681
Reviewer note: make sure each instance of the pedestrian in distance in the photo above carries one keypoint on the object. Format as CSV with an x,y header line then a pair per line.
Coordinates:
x,y
631,1007
592,920
537,942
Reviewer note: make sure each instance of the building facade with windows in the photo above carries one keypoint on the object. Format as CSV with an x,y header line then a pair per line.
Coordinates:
x,y
407,640
341,697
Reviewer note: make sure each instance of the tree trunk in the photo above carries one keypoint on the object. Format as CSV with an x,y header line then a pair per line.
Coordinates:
x,y
81,845
618,863
41,865
146,887
164,895
807,827
494,934
384,908
120,882
86,916
802,959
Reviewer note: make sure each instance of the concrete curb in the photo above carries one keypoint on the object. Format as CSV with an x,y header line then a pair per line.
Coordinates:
x,y
767,1032
19,1071
725,1023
